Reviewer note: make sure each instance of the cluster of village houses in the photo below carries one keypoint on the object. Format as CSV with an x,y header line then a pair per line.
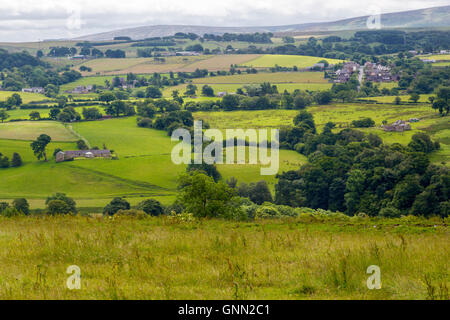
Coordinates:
x,y
372,72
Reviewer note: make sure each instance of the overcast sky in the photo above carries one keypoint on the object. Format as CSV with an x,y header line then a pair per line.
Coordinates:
x,y
31,20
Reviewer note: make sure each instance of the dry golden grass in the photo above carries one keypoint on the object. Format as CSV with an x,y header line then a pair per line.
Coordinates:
x,y
167,258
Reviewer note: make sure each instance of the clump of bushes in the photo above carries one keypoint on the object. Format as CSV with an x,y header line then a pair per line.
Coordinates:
x,y
363,123
115,205
60,203
19,206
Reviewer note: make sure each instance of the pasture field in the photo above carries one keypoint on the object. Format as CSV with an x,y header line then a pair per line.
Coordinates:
x,y
44,113
437,57
144,168
391,99
219,62
84,81
388,85
441,64
27,97
30,130
231,88
166,258
276,77
270,61
290,81
107,66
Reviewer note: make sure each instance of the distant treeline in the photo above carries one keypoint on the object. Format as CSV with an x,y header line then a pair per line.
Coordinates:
x,y
244,37
363,43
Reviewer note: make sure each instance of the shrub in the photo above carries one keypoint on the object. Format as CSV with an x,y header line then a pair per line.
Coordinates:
x,y
62,197
266,211
145,123
58,207
21,205
390,212
131,212
81,145
363,123
16,160
9,212
3,206
115,205
151,206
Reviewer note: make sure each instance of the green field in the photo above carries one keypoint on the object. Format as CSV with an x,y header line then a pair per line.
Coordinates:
x,y
166,258
44,113
275,77
30,130
107,66
144,168
231,88
441,64
270,61
437,57
27,97
84,81
290,81
391,99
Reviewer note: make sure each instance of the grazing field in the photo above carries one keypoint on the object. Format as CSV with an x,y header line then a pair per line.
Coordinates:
x,y
44,113
220,62
441,64
276,77
144,168
165,258
270,61
388,85
30,130
107,66
290,81
437,57
391,99
84,81
27,97
231,88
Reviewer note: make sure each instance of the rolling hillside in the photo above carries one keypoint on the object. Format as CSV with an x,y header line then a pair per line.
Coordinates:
x,y
422,18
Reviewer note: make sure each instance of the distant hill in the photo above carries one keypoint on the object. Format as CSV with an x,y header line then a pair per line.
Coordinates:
x,y
422,18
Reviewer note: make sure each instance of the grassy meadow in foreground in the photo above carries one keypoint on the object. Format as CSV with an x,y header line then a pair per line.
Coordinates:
x,y
167,258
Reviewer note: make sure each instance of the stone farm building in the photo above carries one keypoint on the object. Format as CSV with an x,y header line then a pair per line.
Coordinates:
x,y
81,89
71,155
34,90
397,126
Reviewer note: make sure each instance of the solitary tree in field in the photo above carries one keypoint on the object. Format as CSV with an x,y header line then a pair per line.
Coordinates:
x,y
3,115
414,97
35,115
39,146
